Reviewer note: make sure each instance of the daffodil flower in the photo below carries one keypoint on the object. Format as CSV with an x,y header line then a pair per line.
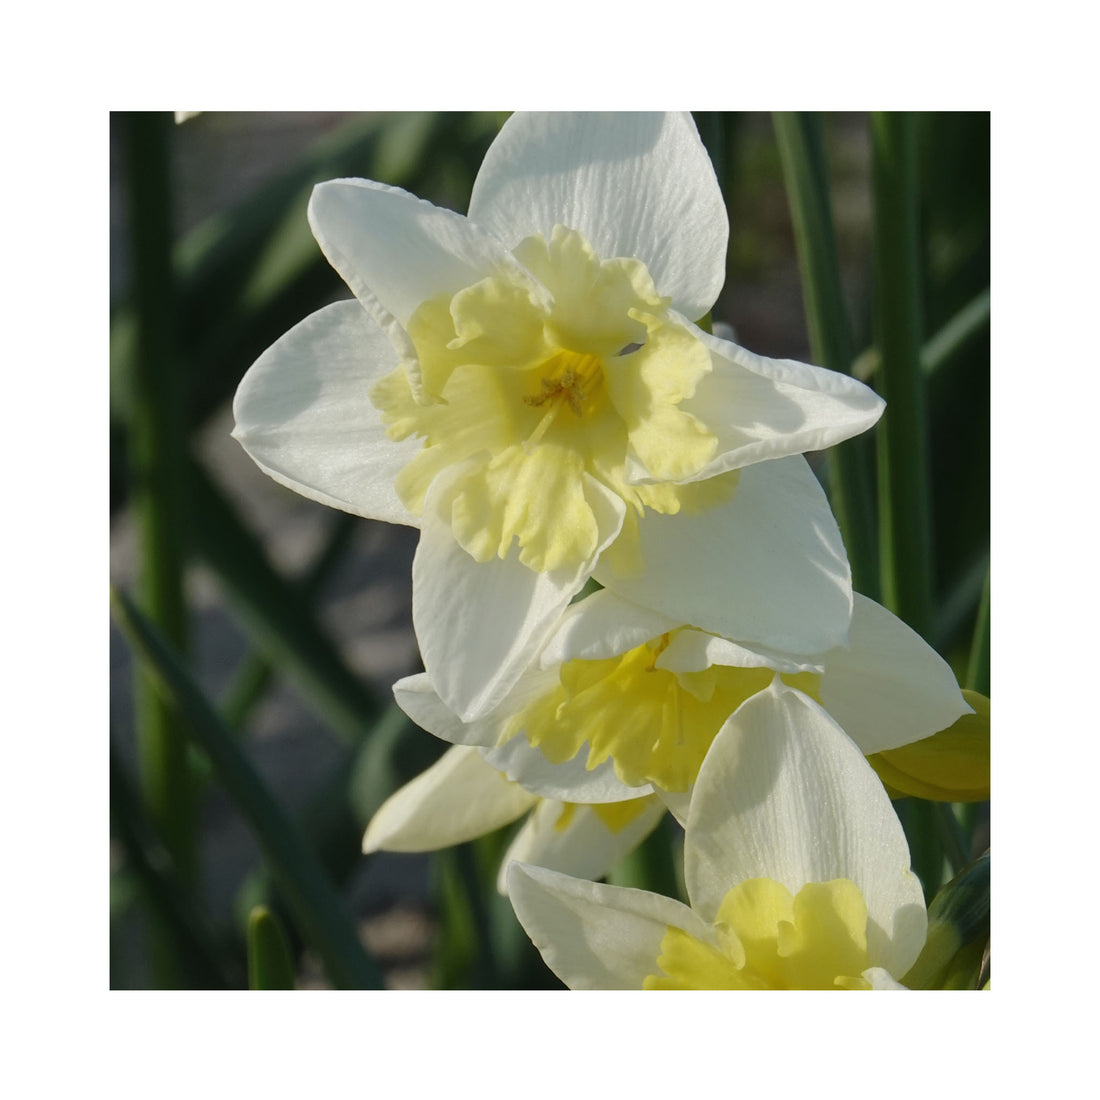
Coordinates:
x,y
623,700
527,387
461,797
796,866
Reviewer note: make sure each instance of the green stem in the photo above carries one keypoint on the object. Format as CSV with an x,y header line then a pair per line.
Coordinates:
x,y
270,962
279,619
940,348
925,839
255,671
317,906
956,334
977,672
958,604
952,837
184,929
903,480
805,172
651,866
155,458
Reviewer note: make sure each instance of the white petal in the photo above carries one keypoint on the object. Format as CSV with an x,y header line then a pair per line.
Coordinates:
x,y
767,567
600,626
584,846
479,624
420,701
594,936
395,251
516,758
458,798
570,782
636,185
881,979
694,650
785,794
888,687
304,416
678,803
767,408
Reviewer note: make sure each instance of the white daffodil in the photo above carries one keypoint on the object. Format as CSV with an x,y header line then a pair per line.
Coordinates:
x,y
527,387
796,865
623,700
461,797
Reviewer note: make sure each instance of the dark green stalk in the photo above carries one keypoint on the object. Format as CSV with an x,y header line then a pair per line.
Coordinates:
x,y
317,906
956,334
905,521
977,672
922,831
651,866
156,446
805,173
246,689
958,605
952,837
255,670
154,455
270,963
455,955
940,348
278,617
183,928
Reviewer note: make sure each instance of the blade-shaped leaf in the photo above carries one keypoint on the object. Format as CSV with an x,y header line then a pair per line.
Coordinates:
x,y
317,907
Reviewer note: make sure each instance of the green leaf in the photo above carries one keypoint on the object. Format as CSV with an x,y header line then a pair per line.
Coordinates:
x,y
960,603
185,929
977,673
270,964
905,515
155,457
254,673
317,907
805,173
276,614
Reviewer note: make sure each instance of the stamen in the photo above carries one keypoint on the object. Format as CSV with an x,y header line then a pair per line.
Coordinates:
x,y
574,384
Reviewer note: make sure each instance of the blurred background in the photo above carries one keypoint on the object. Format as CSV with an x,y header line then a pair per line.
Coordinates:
x,y
291,620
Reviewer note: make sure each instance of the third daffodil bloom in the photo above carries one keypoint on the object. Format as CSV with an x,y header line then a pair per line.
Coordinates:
x,y
796,865
461,796
527,386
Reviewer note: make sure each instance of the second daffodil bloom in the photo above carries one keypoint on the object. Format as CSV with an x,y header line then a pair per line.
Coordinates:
x,y
527,386
623,701
796,866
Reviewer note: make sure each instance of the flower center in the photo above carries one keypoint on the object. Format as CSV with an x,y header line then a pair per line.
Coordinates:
x,y
568,378
655,725
543,397
765,939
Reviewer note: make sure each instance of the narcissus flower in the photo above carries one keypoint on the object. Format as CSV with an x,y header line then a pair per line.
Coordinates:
x,y
623,700
796,866
461,796
527,387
